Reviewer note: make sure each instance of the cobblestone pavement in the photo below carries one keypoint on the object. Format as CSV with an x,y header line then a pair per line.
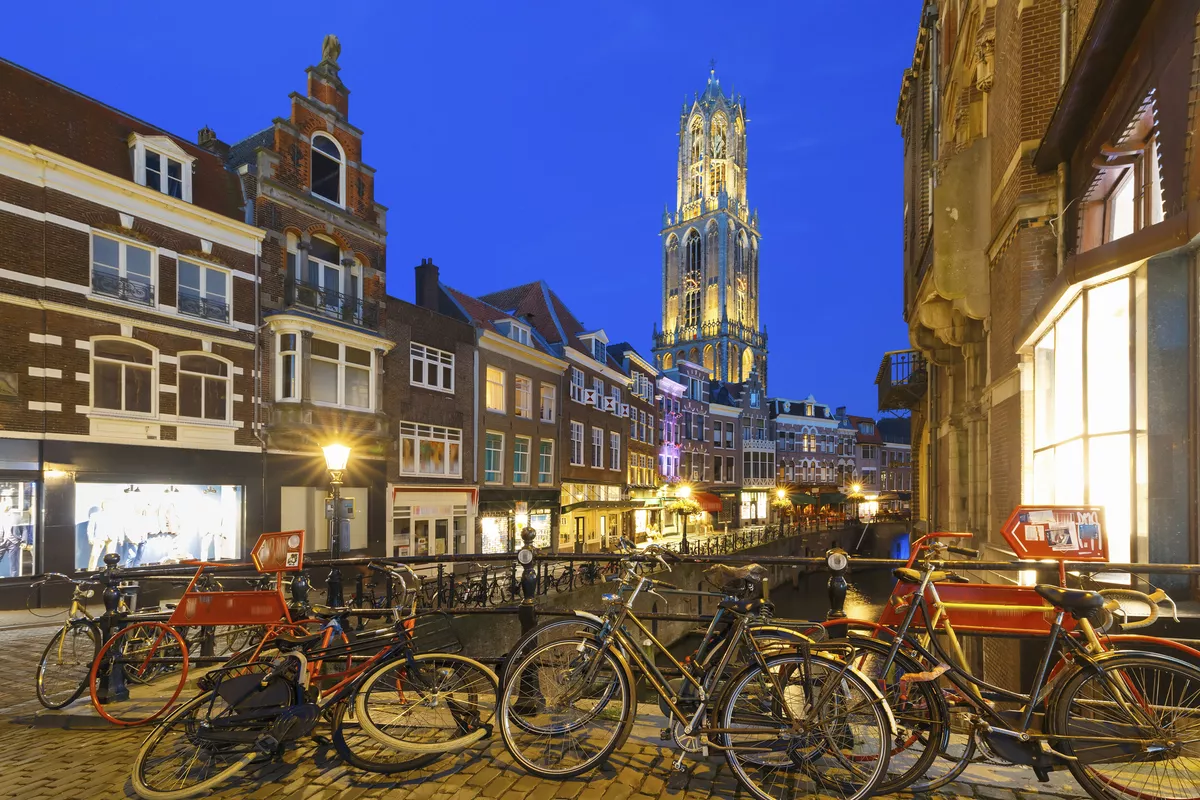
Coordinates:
x,y
57,756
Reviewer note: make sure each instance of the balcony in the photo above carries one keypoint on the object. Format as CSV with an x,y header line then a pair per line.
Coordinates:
x,y
902,379
130,291
332,305
204,308
710,330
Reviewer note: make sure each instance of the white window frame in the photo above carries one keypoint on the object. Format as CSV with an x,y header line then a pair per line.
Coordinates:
x,y
546,477
499,458
597,447
516,331
430,357
614,450
342,366
228,381
524,410
488,384
296,355
341,201
543,406
577,385
154,379
204,268
122,268
577,453
518,480
165,149
419,432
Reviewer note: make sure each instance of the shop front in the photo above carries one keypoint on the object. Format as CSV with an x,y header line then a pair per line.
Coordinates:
x,y
504,513
20,494
592,517
753,507
431,520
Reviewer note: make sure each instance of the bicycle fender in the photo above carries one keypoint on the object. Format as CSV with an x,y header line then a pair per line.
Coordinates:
x,y
1093,663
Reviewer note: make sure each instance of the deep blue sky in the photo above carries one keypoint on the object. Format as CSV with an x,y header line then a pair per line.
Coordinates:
x,y
516,141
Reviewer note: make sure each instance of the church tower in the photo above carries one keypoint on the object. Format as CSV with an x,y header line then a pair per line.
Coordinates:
x,y
710,247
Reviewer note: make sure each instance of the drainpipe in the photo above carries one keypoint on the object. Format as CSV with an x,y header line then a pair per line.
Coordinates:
x,y
1061,189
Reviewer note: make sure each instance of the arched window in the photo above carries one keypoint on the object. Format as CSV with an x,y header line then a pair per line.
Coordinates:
x,y
720,151
328,168
667,361
696,162
204,387
123,376
692,279
741,279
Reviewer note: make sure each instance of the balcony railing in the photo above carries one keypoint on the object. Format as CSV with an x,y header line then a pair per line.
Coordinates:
x,y
334,305
710,330
204,308
131,291
902,380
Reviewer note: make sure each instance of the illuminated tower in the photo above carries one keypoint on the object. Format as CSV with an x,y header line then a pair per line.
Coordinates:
x,y
710,247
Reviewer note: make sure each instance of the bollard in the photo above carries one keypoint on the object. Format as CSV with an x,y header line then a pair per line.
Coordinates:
x,y
112,681
839,564
299,590
527,612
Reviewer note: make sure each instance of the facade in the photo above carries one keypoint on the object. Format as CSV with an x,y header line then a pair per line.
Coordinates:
x,y
322,340
1055,309
870,453
813,450
128,316
695,454
895,461
642,443
710,313
753,474
725,417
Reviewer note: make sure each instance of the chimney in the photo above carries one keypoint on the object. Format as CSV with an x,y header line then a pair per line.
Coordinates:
x,y
427,284
207,138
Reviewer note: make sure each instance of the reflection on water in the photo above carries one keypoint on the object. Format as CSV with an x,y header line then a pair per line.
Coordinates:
x,y
868,591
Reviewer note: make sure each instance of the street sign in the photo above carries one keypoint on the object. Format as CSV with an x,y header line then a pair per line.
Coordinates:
x,y
347,508
1057,533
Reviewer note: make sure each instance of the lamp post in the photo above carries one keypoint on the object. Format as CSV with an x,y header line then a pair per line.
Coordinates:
x,y
685,492
856,493
336,456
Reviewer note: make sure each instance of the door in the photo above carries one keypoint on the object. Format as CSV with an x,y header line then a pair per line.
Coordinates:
x,y
421,537
603,532
580,531
441,536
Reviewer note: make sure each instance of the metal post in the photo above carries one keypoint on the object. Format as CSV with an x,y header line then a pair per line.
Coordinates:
x,y
335,540
839,564
683,544
527,611
112,681
299,590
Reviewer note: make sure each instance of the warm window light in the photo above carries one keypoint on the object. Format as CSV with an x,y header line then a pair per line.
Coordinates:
x,y
336,456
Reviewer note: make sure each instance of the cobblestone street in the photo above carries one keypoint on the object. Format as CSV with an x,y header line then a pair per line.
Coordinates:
x,y
61,756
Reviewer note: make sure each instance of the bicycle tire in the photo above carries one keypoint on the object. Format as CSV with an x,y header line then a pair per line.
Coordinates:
x,y
1072,721
72,672
476,698
150,705
138,777
361,750
514,703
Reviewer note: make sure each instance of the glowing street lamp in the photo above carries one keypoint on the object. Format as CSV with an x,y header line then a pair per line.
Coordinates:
x,y
336,458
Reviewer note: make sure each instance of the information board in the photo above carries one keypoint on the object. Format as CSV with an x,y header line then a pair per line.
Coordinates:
x,y
1057,533
279,552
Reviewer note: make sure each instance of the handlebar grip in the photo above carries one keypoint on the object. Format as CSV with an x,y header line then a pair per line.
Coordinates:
x,y
968,552
948,535
1140,597
663,585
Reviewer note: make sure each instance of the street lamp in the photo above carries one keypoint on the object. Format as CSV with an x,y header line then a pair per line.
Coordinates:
x,y
336,457
856,493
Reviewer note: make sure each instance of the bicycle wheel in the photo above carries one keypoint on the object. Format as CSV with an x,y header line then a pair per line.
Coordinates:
x,y
842,737
429,703
62,672
156,655
1134,727
561,628
566,707
919,709
360,749
178,760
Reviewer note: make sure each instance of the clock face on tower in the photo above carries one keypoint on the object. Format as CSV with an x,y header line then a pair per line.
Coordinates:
x,y
691,282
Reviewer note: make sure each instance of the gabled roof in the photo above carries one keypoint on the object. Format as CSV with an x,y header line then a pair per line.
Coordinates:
x,y
243,151
545,311
484,315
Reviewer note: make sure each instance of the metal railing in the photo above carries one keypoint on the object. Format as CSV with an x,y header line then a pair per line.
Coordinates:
x,y
710,330
115,286
203,307
334,305
902,380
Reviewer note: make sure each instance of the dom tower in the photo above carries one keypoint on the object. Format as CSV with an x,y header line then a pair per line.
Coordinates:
x,y
710,247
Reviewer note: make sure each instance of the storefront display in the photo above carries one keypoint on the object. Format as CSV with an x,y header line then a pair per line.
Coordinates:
x,y
754,507
495,535
430,523
156,523
18,523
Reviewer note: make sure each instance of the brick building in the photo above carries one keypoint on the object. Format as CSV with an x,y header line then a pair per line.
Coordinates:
x,y
1048,173
642,473
322,298
814,451
128,316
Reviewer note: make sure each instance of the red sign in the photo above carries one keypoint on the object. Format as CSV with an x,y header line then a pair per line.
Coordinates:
x,y
1057,533
279,552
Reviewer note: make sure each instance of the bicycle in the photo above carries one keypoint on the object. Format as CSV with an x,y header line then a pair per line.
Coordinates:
x,y
787,723
62,672
421,704
1053,725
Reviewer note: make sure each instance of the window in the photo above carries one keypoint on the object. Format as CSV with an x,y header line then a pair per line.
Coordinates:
x,y
717,470
576,385
547,403
330,285
521,446
289,367
546,461
203,292
328,167
598,387
122,270
692,279
430,450
633,424
577,443
650,429
341,374
524,393
204,388
614,450
599,351
495,390
615,393
164,174
698,427
493,458
431,368
641,426
717,428
514,330
598,448
123,376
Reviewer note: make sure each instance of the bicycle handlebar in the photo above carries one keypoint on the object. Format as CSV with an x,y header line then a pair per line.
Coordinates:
x,y
968,552
1113,596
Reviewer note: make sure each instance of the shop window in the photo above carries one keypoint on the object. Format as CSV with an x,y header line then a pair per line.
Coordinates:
x,y
328,168
203,292
493,458
523,391
430,450
495,390
288,368
496,532
156,523
123,376
122,270
431,368
18,528
548,400
546,461
340,375
521,446
577,444
204,388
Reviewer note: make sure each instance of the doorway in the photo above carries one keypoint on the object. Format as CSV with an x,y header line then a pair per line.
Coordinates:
x,y
580,532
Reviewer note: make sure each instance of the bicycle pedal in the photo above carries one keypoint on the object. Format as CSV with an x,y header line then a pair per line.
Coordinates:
x,y
665,734
267,744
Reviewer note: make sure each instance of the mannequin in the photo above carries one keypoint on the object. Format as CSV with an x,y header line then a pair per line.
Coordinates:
x,y
10,539
103,531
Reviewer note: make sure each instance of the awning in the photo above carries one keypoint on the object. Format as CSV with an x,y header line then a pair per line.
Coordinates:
x,y
832,499
802,499
708,502
610,505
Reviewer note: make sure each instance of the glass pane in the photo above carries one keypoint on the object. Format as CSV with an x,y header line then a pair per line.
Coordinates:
x,y
288,389
324,381
214,284
203,364
137,263
1110,479
153,171
1068,374
356,356
138,389
408,455
216,398
1120,208
1043,477
433,457
123,351
325,250
174,169
418,370
325,349
323,144
1108,358
326,177
190,398
455,458
358,387
107,385
105,253
1068,474
441,528
1043,390
189,278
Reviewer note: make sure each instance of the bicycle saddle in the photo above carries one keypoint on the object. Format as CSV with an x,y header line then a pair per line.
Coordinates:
x,y
728,577
745,606
939,576
289,641
1073,600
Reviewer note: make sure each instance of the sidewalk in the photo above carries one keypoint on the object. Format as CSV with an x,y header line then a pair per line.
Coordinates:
x,y
18,619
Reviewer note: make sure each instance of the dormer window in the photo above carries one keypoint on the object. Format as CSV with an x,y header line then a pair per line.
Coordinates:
x,y
514,330
328,168
598,351
162,165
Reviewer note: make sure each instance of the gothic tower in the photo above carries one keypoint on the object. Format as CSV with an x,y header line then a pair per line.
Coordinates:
x,y
710,247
